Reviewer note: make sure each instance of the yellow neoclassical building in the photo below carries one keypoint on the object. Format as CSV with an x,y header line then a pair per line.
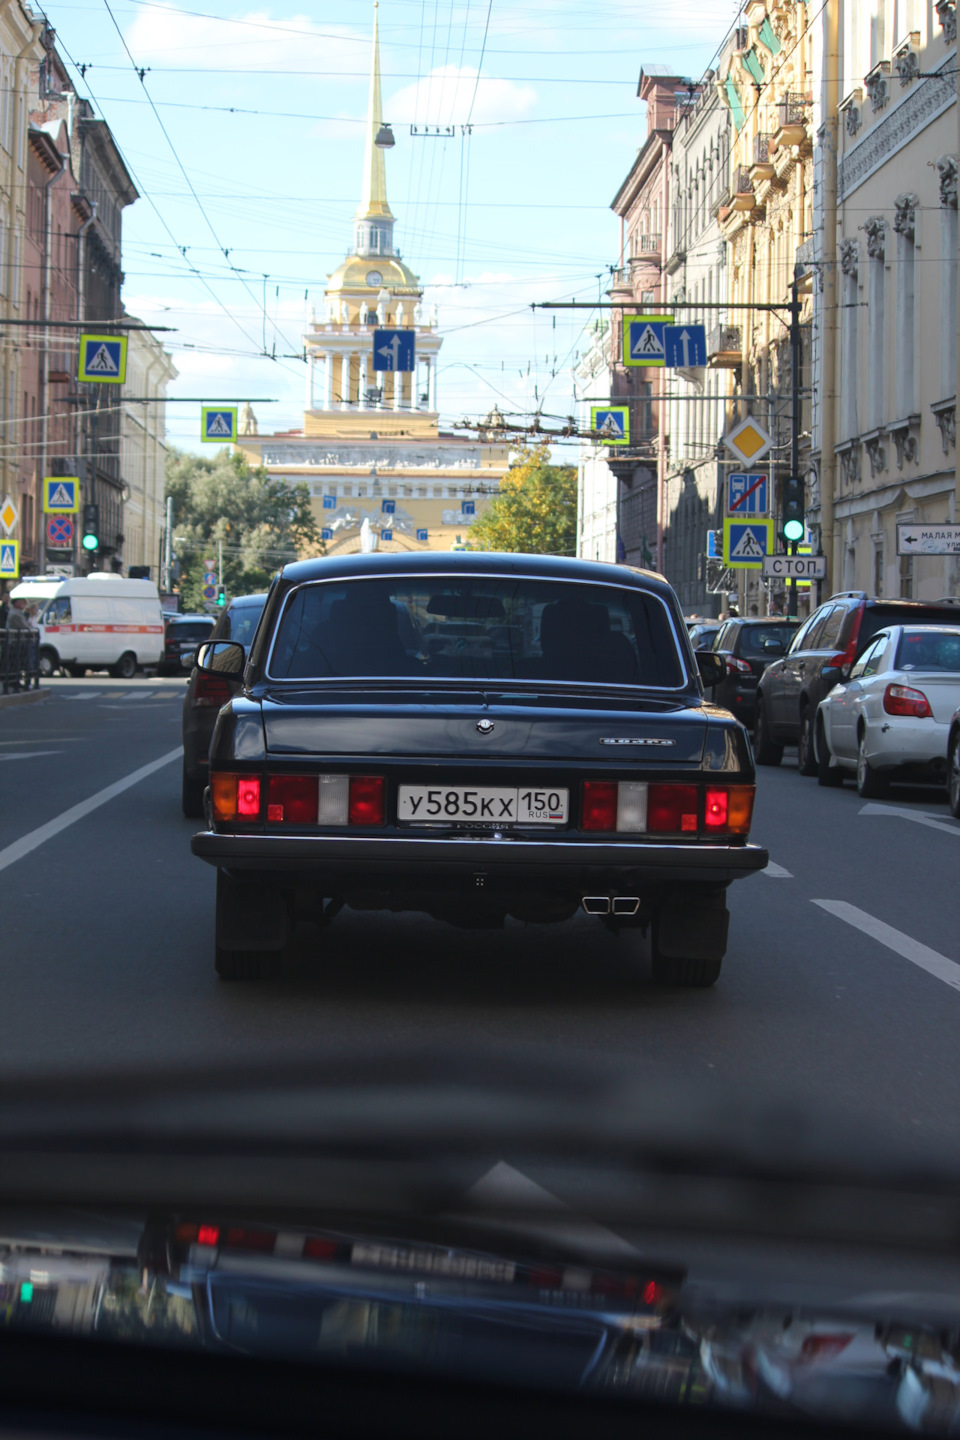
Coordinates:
x,y
382,474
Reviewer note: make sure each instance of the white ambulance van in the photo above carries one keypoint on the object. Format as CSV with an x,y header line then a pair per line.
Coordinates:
x,y
96,622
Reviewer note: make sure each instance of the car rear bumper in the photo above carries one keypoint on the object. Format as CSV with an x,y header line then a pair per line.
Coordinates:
x,y
558,862
908,742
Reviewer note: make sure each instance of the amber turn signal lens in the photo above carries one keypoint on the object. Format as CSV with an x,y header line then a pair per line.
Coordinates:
x,y
727,809
223,794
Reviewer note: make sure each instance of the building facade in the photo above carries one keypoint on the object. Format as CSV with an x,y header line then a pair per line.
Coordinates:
x,y
597,517
382,474
143,448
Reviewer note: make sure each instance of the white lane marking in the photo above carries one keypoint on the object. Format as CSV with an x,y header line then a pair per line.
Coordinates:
x,y
930,960
915,815
29,754
83,695
35,838
510,1191
776,872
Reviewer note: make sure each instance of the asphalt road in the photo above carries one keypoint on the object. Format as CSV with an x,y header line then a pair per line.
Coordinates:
x,y
841,984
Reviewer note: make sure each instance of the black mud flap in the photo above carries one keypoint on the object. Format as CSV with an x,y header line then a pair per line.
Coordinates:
x,y
694,926
250,914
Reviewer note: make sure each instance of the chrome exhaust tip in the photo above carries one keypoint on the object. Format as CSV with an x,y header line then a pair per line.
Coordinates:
x,y
596,904
625,904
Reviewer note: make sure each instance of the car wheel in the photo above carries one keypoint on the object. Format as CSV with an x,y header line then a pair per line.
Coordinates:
x,y
871,784
827,774
191,796
689,940
953,775
806,759
252,930
48,662
766,751
126,666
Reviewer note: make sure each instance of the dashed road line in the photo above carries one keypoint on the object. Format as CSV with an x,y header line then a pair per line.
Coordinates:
x,y
913,950
776,872
38,837
915,815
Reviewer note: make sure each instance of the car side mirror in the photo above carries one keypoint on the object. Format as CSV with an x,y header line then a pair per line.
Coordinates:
x,y
188,658
712,667
222,657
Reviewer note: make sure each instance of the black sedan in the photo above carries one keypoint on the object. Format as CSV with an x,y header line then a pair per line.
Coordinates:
x,y
553,752
748,646
181,636
206,693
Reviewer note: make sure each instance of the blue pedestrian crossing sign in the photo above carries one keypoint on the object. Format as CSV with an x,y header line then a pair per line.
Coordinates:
x,y
611,423
61,495
748,494
103,359
643,339
394,349
685,346
423,536
746,542
9,559
218,424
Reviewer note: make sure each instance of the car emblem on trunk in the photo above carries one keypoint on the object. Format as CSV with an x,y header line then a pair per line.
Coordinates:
x,y
633,740
485,727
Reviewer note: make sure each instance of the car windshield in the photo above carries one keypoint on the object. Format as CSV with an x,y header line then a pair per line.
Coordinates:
x,y
239,623
760,642
928,650
485,628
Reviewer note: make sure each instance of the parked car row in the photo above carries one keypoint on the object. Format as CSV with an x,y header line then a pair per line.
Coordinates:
x,y
865,688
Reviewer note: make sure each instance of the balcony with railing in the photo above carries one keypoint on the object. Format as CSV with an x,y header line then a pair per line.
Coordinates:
x,y
792,120
762,166
742,186
724,347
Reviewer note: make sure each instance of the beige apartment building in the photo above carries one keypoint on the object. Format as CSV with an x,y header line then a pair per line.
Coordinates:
x,y
143,447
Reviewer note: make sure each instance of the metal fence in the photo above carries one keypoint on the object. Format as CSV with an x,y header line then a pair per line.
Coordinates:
x,y
19,660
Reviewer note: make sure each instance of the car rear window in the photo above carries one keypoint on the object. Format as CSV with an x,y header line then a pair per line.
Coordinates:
x,y
928,650
189,629
878,617
239,623
762,642
477,628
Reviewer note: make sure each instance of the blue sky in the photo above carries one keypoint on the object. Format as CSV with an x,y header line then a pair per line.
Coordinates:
x,y
259,111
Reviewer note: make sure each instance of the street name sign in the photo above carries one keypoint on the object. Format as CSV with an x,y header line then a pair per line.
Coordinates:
x,y
795,567
748,441
61,495
643,339
103,359
928,539
747,494
611,423
9,559
394,350
746,543
218,424
685,346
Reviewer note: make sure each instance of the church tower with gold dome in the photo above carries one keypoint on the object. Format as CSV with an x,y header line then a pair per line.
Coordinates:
x,y
371,446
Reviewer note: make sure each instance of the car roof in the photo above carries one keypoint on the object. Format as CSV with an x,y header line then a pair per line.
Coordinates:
x,y
552,567
241,600
190,615
765,619
927,629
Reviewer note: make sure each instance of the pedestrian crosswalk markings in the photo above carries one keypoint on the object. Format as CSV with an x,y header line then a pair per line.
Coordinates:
x,y
748,547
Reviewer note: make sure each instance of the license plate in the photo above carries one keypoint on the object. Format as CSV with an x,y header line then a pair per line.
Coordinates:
x,y
482,805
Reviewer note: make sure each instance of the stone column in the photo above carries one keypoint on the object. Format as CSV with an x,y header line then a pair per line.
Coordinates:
x,y
328,381
364,379
397,389
344,362
432,386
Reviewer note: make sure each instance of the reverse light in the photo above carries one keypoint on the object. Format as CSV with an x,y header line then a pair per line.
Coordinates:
x,y
366,800
904,700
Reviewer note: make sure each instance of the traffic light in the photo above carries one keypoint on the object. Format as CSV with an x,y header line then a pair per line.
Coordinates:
x,y
794,526
222,596
90,537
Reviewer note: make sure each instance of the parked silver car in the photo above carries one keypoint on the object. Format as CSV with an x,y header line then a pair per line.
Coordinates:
x,y
891,715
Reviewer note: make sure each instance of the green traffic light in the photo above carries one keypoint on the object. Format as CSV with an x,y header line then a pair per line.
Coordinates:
x,y
26,1292
793,530
90,542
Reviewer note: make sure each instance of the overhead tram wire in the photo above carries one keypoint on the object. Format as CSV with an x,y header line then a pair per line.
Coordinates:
x,y
182,168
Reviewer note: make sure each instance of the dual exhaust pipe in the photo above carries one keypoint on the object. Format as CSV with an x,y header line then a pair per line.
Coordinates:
x,y
611,904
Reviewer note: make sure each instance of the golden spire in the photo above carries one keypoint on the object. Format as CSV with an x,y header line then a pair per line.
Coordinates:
x,y
373,203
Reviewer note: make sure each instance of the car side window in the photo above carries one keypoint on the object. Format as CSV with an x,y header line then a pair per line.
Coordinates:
x,y
874,656
805,638
722,638
829,636
860,667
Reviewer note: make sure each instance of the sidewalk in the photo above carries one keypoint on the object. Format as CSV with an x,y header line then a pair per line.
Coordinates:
x,y
24,697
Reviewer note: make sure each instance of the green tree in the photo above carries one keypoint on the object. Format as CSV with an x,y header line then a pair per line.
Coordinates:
x,y
535,511
262,522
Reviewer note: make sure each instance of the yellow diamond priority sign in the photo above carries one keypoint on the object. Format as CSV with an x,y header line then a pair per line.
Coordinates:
x,y
748,441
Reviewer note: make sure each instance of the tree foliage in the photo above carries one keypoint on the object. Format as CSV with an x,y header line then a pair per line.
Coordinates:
x,y
535,511
262,521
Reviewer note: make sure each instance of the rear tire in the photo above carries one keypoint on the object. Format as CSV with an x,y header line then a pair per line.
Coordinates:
x,y
953,775
689,940
871,784
806,759
191,796
829,775
48,662
253,929
765,749
126,666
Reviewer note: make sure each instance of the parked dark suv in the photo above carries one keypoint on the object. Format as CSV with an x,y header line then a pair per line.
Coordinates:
x,y
181,634
822,652
206,693
748,646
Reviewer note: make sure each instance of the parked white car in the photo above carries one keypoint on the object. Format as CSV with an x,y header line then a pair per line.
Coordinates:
x,y
891,716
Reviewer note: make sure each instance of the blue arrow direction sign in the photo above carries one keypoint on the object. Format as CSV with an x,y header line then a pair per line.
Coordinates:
x,y
326,534
423,536
394,349
748,494
468,507
389,507
685,345
643,339
329,502
386,534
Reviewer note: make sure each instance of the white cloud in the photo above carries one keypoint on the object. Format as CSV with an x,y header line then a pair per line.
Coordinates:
x,y
446,95
257,41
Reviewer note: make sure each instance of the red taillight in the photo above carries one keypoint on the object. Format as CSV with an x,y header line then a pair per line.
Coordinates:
x,y
292,799
740,666
316,1249
545,1279
208,1235
728,809
212,690
366,800
599,805
673,808
262,1240
652,1293
248,796
904,700
848,656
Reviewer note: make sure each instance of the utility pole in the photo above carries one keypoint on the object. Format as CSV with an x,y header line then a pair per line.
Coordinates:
x,y
223,586
795,358
168,548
